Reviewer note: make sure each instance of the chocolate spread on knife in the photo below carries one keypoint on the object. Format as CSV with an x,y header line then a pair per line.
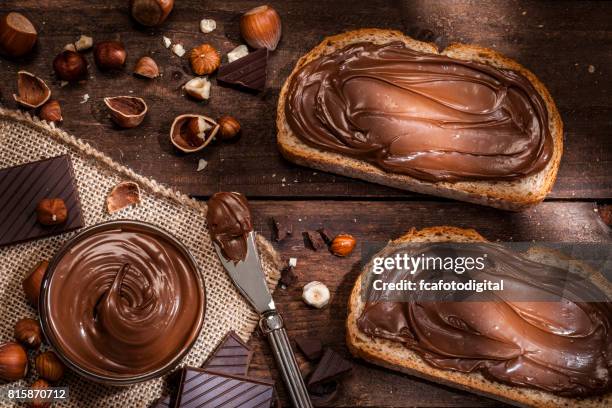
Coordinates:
x,y
548,329
229,221
123,302
429,116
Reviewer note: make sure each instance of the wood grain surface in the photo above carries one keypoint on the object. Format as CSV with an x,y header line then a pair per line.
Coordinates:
x,y
567,44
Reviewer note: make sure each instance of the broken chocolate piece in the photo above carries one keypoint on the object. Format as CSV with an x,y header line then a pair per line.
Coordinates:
x,y
288,276
311,347
315,240
247,72
323,394
327,236
282,227
163,402
331,366
232,356
23,187
202,388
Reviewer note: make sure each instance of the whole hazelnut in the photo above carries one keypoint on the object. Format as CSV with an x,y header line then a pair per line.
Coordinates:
x,y
109,55
51,211
146,67
28,333
151,12
70,66
204,59
49,366
17,35
13,362
229,127
39,384
33,281
51,111
343,245
261,27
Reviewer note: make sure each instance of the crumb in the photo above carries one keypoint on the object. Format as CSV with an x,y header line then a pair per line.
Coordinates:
x,y
207,25
202,164
178,50
167,42
591,69
293,262
85,98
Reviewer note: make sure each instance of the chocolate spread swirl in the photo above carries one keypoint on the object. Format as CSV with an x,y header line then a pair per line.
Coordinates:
x,y
429,116
124,302
229,222
548,329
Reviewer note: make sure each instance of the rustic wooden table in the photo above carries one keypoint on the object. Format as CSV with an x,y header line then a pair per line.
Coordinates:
x,y
567,44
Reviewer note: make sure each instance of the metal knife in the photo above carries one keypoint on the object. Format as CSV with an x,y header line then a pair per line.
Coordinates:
x,y
250,280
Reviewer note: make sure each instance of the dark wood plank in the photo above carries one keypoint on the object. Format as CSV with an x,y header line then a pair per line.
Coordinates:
x,y
379,222
558,41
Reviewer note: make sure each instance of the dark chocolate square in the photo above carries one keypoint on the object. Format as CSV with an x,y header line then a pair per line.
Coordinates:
x,y
232,356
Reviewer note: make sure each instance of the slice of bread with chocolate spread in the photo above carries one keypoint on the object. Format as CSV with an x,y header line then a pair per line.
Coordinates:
x,y
399,357
515,193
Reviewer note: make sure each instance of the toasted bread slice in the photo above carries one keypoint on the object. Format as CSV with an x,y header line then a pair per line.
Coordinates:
x,y
396,356
508,195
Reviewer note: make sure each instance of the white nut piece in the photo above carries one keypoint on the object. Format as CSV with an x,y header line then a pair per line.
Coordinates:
x,y
83,43
237,53
198,88
167,42
70,47
178,49
207,25
316,294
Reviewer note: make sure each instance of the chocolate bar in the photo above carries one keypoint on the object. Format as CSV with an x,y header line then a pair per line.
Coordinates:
x,y
23,187
201,388
232,356
247,72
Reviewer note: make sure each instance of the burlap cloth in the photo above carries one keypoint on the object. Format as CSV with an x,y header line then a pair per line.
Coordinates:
x,y
24,139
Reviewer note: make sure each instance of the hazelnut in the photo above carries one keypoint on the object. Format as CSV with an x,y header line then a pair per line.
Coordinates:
x,y
123,195
229,127
13,362
343,245
316,294
38,402
28,333
17,35
33,281
191,133
261,27
151,12
51,111
146,67
204,59
127,111
51,211
49,366
109,55
207,25
33,92
198,88
70,66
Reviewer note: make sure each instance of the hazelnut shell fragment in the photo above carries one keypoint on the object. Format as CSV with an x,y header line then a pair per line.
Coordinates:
x,y
261,27
70,66
32,91
110,55
51,111
191,133
51,211
17,35
123,195
126,111
151,12
229,127
33,281
49,366
28,333
13,362
204,59
146,67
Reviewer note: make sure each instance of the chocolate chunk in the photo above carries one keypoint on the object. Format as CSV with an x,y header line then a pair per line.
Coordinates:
x,y
331,366
323,394
315,240
202,388
327,236
288,276
23,187
282,227
247,72
311,347
232,356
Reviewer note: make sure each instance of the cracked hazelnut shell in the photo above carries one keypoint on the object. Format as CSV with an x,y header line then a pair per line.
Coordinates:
x,y
13,362
151,12
51,111
33,281
32,92
146,67
261,27
191,133
204,59
70,66
109,55
17,35
126,111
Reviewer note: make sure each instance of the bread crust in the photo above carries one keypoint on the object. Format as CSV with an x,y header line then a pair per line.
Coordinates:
x,y
395,356
512,195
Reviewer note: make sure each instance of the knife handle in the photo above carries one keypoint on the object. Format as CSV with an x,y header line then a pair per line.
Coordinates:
x,y
271,324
